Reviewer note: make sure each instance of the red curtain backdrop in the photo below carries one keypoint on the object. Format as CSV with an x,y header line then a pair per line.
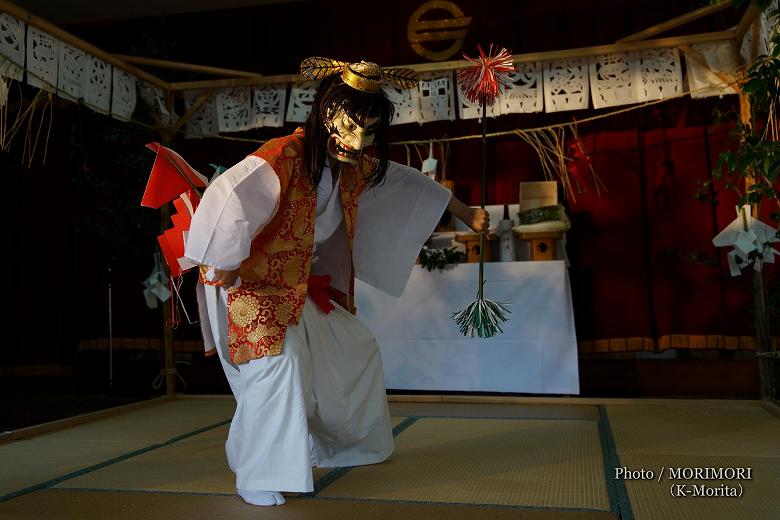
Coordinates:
x,y
625,246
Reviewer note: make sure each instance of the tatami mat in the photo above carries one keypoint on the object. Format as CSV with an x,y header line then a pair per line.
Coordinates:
x,y
508,411
82,505
699,435
452,460
30,462
193,465
536,463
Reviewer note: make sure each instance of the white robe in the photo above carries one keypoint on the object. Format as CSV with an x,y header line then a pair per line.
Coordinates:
x,y
327,386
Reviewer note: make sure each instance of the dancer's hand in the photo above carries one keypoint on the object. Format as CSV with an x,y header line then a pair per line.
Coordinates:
x,y
479,220
475,218
225,278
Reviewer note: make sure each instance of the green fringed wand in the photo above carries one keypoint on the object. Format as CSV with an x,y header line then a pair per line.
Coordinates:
x,y
481,83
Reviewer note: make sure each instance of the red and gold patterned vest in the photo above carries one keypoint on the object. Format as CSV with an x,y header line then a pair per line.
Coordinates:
x,y
274,278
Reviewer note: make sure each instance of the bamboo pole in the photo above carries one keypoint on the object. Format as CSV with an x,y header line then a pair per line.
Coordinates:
x,y
582,52
745,22
190,67
32,20
676,22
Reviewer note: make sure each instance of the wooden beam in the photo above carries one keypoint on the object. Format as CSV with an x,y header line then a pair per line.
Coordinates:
x,y
677,22
236,82
175,65
744,23
199,101
583,52
32,20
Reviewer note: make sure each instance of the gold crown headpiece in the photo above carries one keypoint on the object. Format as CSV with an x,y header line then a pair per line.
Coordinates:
x,y
364,76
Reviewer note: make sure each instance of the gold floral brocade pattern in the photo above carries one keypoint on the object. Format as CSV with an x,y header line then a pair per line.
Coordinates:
x,y
274,278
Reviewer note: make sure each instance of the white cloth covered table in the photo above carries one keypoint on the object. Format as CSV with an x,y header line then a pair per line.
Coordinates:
x,y
422,348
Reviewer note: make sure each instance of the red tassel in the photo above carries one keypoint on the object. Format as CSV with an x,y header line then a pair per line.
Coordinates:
x,y
483,81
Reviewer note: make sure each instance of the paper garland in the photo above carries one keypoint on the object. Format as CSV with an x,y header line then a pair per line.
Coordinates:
x,y
301,98
614,79
566,85
11,47
406,102
610,80
43,53
123,95
96,84
204,122
268,103
660,75
722,61
437,97
70,72
233,107
526,94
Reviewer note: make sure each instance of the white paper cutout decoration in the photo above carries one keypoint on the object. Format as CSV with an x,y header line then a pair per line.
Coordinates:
x,y
233,108
747,41
123,95
203,123
437,96
406,102
268,105
154,98
70,71
11,47
722,61
565,85
526,94
660,75
43,56
301,98
469,110
96,82
614,79
747,235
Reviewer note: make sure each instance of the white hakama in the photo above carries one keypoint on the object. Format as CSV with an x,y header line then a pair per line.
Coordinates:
x,y
327,386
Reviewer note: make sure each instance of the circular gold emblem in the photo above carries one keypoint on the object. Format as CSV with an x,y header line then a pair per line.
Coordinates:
x,y
452,28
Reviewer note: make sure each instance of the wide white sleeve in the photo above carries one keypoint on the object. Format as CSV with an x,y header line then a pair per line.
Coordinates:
x,y
234,208
394,221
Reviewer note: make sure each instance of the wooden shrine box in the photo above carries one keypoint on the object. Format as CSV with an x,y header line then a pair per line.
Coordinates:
x,y
472,245
541,237
543,243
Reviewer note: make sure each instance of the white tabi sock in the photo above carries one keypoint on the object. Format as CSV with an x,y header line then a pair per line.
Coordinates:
x,y
261,498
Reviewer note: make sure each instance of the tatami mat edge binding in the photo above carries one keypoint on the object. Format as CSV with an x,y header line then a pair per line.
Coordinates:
x,y
619,501
68,422
114,460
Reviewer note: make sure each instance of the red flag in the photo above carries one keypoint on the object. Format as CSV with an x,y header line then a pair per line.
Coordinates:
x,y
172,240
172,246
171,176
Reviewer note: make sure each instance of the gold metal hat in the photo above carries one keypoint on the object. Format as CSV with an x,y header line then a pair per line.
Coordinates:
x,y
364,76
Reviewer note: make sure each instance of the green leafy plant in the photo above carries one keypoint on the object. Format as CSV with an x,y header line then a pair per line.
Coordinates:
x,y
436,258
751,168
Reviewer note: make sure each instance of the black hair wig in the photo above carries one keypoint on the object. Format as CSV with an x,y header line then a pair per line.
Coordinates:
x,y
333,95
